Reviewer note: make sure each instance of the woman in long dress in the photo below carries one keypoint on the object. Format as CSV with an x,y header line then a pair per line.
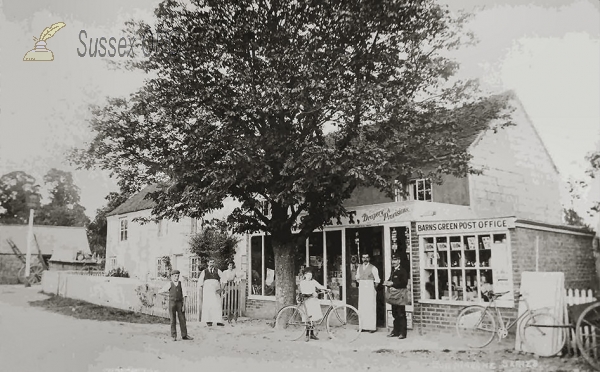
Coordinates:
x,y
308,289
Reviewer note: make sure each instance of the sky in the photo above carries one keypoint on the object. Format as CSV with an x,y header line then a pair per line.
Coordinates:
x,y
546,51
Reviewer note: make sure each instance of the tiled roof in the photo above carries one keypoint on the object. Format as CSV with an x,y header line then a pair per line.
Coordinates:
x,y
137,202
53,240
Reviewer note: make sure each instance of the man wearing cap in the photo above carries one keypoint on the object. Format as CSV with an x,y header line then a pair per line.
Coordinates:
x,y
177,294
398,279
368,280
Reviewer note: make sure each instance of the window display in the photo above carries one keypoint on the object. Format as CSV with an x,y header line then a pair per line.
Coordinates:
x,y
465,267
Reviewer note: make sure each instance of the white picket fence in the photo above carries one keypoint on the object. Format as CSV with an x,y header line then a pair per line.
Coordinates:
x,y
233,301
575,297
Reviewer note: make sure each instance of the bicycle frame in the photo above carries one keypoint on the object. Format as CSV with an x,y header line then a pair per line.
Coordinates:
x,y
500,318
330,307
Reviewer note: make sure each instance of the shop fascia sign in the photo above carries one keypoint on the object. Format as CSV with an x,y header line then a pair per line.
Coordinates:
x,y
466,226
372,216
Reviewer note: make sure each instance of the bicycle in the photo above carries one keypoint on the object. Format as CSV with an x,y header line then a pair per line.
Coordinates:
x,y
476,325
342,321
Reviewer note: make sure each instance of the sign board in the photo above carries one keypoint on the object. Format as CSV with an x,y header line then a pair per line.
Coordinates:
x,y
465,226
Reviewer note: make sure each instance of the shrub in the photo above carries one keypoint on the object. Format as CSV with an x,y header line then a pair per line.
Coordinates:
x,y
119,272
214,241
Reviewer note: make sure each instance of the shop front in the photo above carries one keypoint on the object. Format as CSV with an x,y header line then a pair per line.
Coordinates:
x,y
335,252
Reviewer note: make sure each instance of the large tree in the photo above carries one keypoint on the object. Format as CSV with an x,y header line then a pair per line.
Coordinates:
x,y
294,102
18,194
64,208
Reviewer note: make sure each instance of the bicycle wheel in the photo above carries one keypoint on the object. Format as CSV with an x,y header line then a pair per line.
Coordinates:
x,y
588,334
343,323
542,334
476,326
290,322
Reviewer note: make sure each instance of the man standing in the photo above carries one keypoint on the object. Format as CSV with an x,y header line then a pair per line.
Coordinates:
x,y
398,279
177,294
367,276
210,282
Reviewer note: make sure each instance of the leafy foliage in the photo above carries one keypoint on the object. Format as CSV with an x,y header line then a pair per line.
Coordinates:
x,y
293,103
18,193
214,242
118,272
64,208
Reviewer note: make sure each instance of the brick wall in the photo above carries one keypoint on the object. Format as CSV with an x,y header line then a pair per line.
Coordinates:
x,y
559,251
9,269
261,309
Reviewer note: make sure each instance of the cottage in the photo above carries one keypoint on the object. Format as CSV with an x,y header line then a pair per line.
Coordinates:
x,y
486,228
147,250
57,245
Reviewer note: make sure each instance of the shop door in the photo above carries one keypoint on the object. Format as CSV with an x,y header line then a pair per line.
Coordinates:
x,y
358,242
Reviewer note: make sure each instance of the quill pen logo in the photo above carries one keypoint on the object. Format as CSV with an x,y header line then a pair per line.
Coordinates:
x,y
40,52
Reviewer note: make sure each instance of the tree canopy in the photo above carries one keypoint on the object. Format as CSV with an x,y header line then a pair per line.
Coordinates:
x,y
64,208
97,229
18,194
296,103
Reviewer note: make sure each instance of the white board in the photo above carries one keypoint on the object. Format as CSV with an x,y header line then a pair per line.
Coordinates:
x,y
542,290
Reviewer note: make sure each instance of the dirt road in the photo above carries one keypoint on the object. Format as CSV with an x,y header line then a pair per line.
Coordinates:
x,y
35,340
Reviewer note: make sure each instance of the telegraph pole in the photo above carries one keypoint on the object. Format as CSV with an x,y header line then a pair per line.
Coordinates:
x,y
29,244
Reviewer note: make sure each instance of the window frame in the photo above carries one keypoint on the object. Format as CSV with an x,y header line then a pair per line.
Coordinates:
x,y
195,274
410,190
506,301
123,229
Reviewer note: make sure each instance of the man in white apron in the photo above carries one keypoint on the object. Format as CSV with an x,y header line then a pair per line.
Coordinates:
x,y
210,282
367,276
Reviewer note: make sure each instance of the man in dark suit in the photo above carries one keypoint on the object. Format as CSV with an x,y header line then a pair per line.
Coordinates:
x,y
177,294
398,279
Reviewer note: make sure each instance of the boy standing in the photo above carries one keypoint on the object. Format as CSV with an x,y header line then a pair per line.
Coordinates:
x,y
177,294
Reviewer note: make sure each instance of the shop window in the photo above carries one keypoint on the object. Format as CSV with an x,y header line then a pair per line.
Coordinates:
x,y
269,272
326,260
315,256
334,271
123,230
195,267
256,266
465,267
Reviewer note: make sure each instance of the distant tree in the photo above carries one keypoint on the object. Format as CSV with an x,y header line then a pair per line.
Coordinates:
x,y
97,229
64,208
18,193
214,241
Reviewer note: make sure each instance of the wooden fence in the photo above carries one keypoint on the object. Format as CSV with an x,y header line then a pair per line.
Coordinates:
x,y
575,297
233,300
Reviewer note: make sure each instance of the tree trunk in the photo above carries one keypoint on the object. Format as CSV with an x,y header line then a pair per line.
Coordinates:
x,y
285,277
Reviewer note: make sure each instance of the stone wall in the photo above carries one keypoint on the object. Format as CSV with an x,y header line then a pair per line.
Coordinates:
x,y
9,269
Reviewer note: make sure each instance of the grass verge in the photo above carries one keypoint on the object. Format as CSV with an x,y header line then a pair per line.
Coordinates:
x,y
85,310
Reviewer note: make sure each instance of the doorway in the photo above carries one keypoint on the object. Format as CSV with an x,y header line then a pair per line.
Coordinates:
x,y
361,241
